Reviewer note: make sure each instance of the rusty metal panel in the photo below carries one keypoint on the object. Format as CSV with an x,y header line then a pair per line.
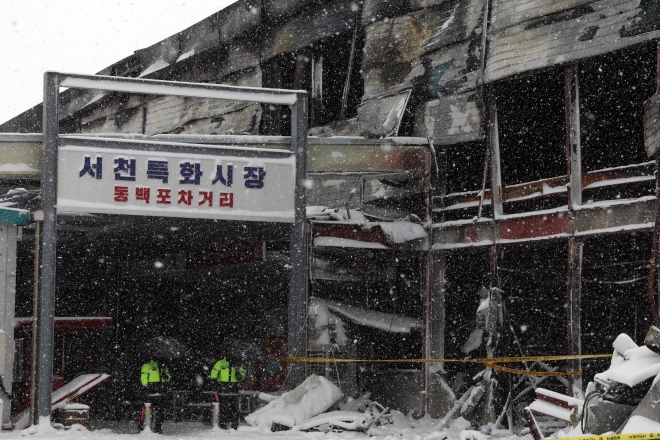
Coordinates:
x,y
600,27
450,70
404,39
310,26
651,126
381,117
616,217
535,226
451,119
368,158
238,19
506,13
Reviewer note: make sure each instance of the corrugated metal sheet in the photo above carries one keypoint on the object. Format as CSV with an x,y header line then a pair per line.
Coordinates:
x,y
570,35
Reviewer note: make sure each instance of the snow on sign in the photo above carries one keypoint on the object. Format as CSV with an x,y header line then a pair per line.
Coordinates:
x,y
169,184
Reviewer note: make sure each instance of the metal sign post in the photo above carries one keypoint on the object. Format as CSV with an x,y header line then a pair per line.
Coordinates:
x,y
297,100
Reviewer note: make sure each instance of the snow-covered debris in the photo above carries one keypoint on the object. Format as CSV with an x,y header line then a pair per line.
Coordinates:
x,y
17,168
370,318
347,420
402,232
638,424
312,397
631,367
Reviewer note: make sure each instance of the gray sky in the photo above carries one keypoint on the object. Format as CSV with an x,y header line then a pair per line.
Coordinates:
x,y
81,36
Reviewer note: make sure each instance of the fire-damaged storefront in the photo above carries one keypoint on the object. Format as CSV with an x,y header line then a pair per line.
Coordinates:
x,y
481,183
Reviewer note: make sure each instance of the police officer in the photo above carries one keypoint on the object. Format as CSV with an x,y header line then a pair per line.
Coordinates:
x,y
155,378
224,379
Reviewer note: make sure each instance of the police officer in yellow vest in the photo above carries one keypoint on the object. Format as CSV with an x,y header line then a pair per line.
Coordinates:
x,y
225,379
155,378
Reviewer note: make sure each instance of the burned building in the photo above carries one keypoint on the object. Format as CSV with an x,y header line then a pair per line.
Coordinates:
x,y
463,156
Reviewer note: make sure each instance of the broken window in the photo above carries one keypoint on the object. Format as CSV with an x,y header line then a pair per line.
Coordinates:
x,y
613,88
531,122
530,112
322,69
464,165
278,73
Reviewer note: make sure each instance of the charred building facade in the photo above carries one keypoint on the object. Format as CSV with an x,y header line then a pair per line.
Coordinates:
x,y
481,174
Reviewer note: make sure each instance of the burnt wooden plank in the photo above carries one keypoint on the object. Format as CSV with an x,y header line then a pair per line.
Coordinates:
x,y
332,19
452,69
451,119
506,13
406,38
609,25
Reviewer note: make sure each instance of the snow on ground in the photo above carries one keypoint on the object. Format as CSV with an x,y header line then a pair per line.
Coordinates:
x,y
403,428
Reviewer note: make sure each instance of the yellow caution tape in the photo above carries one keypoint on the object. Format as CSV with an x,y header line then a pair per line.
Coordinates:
x,y
639,436
500,360
489,362
533,373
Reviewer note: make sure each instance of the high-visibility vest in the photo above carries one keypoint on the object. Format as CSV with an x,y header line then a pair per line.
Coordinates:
x,y
222,372
152,373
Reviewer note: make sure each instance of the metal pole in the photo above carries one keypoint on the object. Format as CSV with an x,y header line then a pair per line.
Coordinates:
x,y
297,313
35,326
573,146
46,316
495,167
575,248
347,83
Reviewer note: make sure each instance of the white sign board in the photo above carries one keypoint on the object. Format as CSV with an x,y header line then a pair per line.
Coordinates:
x,y
168,184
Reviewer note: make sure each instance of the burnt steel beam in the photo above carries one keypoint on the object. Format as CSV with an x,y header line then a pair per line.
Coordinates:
x,y
528,190
590,220
575,246
192,90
